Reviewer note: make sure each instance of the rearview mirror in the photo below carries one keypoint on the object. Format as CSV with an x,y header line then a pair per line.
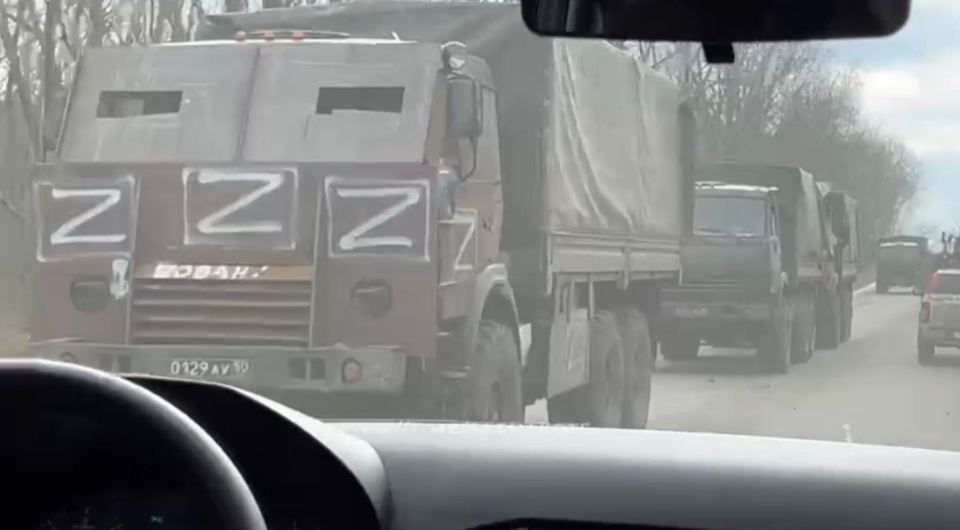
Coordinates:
x,y
463,107
715,21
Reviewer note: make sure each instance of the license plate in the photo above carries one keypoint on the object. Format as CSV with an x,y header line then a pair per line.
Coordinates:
x,y
690,312
214,368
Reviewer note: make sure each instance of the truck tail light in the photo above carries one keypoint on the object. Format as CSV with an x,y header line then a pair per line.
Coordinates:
x,y
925,311
933,283
351,371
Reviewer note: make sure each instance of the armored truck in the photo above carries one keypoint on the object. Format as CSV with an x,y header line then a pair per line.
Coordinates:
x,y
417,206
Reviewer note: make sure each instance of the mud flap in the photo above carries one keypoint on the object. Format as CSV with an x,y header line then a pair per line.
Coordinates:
x,y
569,344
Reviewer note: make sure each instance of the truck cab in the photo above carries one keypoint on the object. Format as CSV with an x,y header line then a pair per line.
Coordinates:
x,y
376,208
902,261
733,284
299,216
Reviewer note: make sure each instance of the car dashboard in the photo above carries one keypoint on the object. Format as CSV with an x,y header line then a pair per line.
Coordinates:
x,y
65,471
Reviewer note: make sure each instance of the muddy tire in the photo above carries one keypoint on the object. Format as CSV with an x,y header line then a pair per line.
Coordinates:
x,y
828,321
846,313
925,352
492,387
773,348
680,348
600,402
639,362
801,334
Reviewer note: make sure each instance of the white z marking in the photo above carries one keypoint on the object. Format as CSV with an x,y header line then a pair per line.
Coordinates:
x,y
64,234
469,219
355,238
213,223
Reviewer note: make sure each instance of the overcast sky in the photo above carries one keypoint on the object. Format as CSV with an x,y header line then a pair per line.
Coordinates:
x,y
911,89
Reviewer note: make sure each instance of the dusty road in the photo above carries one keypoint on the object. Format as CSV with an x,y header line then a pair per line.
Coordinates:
x,y
870,390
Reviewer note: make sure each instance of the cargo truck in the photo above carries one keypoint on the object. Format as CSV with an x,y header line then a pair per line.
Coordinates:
x,y
844,216
374,202
758,269
903,261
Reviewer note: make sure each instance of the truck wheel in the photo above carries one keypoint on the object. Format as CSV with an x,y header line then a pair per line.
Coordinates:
x,y
492,388
801,336
635,334
600,401
773,348
846,313
925,352
828,321
680,348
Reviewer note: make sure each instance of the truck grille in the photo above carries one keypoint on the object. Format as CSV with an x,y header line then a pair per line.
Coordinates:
x,y
221,312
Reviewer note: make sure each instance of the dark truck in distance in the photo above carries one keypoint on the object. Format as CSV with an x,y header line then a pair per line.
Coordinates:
x,y
903,261
378,218
759,269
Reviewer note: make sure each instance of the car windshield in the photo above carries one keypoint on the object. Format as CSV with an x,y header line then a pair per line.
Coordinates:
x,y
420,210
729,216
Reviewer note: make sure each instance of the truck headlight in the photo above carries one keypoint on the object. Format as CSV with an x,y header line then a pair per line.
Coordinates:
x,y
89,293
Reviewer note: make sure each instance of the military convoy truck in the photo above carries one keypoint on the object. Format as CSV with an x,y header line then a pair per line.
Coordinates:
x,y
759,269
903,261
844,226
374,202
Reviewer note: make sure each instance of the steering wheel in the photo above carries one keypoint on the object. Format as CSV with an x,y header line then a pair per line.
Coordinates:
x,y
118,400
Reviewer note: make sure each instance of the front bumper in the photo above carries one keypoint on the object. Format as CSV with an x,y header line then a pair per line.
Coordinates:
x,y
733,325
721,316
699,306
270,370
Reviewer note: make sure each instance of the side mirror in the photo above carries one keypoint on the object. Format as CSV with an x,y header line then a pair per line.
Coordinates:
x,y
464,107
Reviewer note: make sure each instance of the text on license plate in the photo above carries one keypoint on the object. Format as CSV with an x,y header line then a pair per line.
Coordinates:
x,y
229,368
690,311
